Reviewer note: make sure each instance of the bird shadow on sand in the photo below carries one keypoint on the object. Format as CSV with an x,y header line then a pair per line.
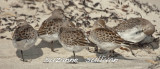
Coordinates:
x,y
32,53
44,44
149,46
80,58
116,56
155,44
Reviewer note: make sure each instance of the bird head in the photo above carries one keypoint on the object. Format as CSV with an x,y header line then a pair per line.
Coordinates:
x,y
58,13
149,29
21,22
99,24
68,24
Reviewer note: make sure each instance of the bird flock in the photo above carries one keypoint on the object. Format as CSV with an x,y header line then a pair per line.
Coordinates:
x,y
129,33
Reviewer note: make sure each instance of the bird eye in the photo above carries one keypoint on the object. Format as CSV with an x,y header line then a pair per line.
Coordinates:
x,y
20,23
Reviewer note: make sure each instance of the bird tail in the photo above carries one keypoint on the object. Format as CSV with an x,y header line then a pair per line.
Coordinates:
x,y
92,44
120,41
130,43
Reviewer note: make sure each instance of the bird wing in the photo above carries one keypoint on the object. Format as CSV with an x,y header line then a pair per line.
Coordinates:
x,y
82,40
108,35
24,32
74,37
50,26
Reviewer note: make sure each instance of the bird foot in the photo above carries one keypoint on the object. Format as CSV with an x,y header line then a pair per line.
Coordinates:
x,y
100,51
24,60
92,50
54,50
112,54
73,62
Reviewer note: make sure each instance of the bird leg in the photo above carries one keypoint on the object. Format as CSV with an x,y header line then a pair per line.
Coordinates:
x,y
22,55
96,48
52,48
132,51
111,53
74,56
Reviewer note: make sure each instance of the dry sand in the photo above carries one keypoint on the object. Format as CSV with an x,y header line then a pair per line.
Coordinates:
x,y
10,56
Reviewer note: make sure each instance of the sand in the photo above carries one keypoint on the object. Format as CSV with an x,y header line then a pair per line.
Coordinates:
x,y
10,56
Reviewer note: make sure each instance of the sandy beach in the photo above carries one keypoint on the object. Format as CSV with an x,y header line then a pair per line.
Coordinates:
x,y
114,10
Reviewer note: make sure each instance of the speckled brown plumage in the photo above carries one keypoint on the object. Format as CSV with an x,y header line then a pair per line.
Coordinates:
x,y
73,37
24,32
106,38
50,26
107,35
24,37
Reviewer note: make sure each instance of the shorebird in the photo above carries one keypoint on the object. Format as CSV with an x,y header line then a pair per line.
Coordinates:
x,y
107,38
50,27
24,36
98,24
137,30
72,38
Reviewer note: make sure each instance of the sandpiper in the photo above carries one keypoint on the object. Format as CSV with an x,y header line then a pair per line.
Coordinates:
x,y
137,30
106,38
50,27
73,39
96,25
24,36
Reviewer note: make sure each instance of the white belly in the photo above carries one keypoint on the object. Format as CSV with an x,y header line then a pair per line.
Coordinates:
x,y
73,48
107,46
49,38
24,44
132,35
